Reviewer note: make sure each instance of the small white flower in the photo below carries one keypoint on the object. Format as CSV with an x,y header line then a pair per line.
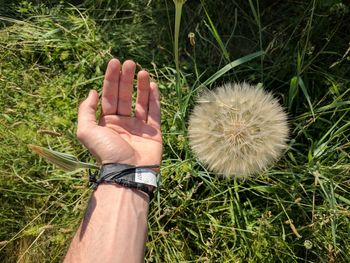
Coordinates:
x,y
238,129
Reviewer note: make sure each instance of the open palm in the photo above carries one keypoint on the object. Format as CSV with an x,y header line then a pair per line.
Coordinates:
x,y
119,137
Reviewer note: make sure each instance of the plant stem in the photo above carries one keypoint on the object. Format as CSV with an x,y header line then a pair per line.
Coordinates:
x,y
178,11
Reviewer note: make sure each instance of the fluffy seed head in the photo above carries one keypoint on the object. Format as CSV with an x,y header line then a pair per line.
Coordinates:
x,y
238,129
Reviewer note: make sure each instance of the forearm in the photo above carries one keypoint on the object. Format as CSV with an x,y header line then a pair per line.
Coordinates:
x,y
114,228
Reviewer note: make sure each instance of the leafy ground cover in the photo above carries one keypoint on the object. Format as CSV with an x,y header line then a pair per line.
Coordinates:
x,y
51,54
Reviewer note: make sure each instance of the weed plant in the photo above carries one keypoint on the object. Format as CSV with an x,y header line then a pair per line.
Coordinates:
x,y
297,211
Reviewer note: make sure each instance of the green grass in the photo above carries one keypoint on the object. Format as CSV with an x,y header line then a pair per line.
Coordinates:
x,y
297,211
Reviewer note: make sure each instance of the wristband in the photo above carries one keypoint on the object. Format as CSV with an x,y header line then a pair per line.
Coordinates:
x,y
140,177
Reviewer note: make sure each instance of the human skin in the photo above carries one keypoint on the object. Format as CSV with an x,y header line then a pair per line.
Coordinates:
x,y
114,228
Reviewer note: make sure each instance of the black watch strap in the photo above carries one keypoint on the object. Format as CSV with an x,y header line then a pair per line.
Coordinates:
x,y
140,177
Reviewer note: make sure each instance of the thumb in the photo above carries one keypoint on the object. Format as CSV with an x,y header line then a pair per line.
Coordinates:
x,y
87,113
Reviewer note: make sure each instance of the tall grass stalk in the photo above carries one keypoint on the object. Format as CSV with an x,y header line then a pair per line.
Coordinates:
x,y
178,12
256,14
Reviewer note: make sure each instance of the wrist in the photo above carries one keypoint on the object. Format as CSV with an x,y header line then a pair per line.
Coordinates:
x,y
141,178
114,193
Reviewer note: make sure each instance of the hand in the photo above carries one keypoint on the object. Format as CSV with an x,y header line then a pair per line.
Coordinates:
x,y
119,137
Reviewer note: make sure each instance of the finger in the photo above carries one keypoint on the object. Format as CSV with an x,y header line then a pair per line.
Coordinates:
x,y
110,88
87,114
153,118
125,88
143,87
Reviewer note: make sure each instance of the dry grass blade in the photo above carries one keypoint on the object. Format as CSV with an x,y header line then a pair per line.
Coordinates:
x,y
65,161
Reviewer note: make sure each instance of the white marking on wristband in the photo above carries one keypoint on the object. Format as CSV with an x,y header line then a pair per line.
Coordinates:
x,y
144,176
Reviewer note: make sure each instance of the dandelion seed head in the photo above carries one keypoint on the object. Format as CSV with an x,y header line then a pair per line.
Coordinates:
x,y
238,129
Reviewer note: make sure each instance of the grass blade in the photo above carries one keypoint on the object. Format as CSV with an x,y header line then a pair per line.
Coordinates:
x,y
216,35
303,88
293,91
232,65
296,82
65,161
